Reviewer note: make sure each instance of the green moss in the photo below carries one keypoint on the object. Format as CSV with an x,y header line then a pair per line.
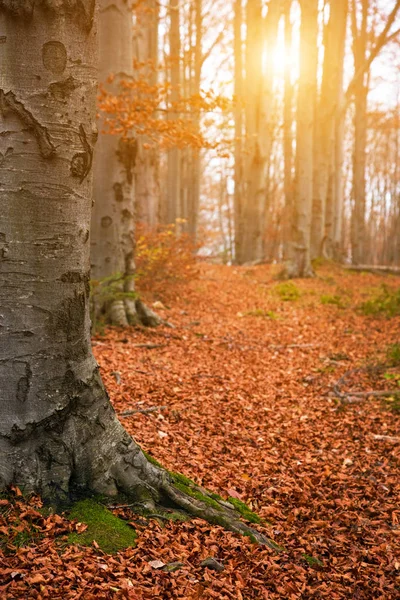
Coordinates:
x,y
393,355
264,314
152,460
186,489
111,533
333,299
312,561
179,478
244,510
393,403
287,291
385,303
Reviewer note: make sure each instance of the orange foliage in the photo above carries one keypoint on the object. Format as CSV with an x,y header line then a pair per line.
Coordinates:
x,y
144,109
163,259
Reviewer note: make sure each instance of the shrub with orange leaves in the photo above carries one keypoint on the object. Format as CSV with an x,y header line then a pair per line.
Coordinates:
x,y
164,259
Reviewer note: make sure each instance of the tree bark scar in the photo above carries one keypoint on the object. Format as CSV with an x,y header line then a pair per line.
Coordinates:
x,y
24,384
126,153
8,102
81,162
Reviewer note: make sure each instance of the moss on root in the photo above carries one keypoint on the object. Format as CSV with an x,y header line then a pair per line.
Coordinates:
x,y
244,510
152,460
108,531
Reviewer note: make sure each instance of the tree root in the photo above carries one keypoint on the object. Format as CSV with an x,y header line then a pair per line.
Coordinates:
x,y
350,397
122,312
220,513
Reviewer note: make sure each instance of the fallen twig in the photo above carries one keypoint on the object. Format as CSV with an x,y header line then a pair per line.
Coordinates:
x,y
389,438
376,394
143,411
148,346
374,268
287,346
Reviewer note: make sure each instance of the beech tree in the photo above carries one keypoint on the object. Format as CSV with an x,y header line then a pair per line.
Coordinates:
x,y
145,52
113,215
59,433
299,255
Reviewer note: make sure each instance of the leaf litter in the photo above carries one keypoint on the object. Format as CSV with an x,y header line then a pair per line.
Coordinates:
x,y
248,410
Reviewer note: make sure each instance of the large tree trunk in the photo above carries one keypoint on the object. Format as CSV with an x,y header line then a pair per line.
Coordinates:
x,y
299,263
58,430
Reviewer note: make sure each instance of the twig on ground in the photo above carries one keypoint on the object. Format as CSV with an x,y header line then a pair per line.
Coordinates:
x,y
389,438
349,397
143,411
287,346
148,346
374,269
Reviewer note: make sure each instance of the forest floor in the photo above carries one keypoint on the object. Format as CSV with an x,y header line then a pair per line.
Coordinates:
x,y
249,406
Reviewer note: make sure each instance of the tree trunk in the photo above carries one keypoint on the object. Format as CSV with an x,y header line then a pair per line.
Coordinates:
x,y
147,186
113,220
287,131
360,39
238,166
193,190
59,433
328,106
173,209
260,34
299,263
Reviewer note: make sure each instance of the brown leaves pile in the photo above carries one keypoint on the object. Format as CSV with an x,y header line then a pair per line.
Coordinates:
x,y
249,413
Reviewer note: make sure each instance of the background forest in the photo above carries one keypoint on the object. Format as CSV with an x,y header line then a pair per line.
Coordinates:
x,y
267,131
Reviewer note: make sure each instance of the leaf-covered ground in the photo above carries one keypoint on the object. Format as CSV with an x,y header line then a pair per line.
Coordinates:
x,y
246,385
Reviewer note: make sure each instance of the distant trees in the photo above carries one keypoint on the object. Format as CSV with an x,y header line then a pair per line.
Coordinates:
x,y
280,143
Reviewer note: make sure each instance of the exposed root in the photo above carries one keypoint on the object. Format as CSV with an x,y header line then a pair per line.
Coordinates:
x,y
224,515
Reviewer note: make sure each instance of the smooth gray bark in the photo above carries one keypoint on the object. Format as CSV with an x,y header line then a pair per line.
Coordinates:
x,y
112,225
172,209
145,49
113,215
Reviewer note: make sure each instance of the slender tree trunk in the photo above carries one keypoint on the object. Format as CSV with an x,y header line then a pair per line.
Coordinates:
x,y
238,166
360,138
173,211
336,193
194,182
113,220
59,434
287,131
299,263
147,185
328,105
260,34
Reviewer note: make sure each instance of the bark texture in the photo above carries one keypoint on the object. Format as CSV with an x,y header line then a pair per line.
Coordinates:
x,y
324,148
145,47
299,263
58,431
261,35
172,209
112,226
113,218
